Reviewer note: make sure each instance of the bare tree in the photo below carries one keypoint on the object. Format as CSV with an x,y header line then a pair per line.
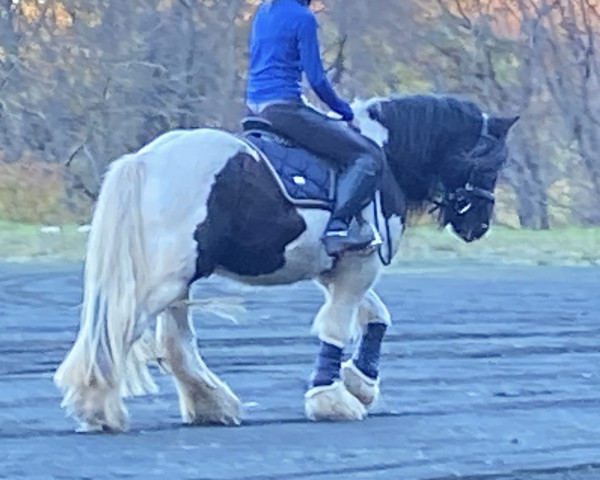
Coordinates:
x,y
84,81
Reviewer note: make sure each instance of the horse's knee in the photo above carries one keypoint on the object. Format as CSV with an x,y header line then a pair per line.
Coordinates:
x,y
373,310
334,323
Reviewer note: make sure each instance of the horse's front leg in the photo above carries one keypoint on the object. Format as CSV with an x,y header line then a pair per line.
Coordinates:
x,y
345,287
361,372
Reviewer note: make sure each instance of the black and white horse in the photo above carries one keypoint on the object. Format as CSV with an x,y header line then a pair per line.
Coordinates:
x,y
193,203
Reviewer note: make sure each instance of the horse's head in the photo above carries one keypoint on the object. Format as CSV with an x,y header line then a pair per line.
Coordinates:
x,y
470,179
439,141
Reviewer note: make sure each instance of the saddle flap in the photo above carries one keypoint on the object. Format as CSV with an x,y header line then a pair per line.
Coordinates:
x,y
304,178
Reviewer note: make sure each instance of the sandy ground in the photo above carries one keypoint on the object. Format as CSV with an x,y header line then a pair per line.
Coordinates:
x,y
488,373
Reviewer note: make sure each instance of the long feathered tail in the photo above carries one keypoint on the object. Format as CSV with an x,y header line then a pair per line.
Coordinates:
x,y
106,354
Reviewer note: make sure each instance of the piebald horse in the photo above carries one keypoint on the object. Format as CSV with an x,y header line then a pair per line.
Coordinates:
x,y
252,207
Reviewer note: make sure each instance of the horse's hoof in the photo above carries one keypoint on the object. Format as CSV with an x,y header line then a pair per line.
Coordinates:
x,y
332,403
358,384
109,417
219,406
85,427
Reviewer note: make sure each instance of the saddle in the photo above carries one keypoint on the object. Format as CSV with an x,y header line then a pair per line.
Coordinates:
x,y
305,179
309,181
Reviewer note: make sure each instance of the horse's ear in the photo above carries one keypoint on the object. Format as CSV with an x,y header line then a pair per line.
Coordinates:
x,y
499,126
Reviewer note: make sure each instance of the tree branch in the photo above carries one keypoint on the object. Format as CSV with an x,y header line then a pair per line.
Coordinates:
x,y
337,65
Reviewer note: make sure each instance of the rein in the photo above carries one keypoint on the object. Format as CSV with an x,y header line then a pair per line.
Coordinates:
x,y
378,206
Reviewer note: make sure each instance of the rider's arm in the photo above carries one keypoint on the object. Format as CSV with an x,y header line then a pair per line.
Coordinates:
x,y
310,57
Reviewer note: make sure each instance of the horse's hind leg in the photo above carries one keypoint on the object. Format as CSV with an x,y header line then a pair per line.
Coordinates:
x,y
361,373
328,398
203,397
95,378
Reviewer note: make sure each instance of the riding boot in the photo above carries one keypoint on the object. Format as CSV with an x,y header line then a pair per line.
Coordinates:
x,y
346,229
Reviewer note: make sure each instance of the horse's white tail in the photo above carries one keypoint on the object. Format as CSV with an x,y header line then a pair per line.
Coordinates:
x,y
105,355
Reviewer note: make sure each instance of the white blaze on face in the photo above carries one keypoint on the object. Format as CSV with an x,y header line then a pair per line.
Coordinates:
x,y
369,127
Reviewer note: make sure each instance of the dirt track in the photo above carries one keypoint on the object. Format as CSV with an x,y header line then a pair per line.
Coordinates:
x,y
487,370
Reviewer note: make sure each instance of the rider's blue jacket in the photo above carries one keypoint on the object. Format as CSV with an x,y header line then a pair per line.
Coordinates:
x,y
283,44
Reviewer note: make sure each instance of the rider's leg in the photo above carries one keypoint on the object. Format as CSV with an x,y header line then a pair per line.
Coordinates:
x,y
359,160
355,190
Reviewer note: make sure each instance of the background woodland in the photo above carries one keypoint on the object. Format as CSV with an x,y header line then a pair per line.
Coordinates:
x,y
84,81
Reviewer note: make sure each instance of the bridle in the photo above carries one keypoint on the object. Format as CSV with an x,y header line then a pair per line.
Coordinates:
x,y
460,200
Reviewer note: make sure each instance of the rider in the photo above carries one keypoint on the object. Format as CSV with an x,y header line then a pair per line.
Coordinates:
x,y
283,45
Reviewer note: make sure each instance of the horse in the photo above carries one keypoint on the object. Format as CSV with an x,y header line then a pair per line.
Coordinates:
x,y
252,206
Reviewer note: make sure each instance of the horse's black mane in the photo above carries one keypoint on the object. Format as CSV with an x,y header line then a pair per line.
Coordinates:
x,y
427,137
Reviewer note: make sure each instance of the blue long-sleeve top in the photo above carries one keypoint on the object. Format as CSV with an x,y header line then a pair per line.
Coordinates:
x,y
283,45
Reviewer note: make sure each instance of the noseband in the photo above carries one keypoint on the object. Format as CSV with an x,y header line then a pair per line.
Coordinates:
x,y
461,199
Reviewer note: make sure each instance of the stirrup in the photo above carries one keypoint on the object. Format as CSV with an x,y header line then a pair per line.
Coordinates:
x,y
339,241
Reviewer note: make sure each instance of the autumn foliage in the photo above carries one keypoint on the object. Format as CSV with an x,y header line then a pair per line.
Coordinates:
x,y
82,82
31,191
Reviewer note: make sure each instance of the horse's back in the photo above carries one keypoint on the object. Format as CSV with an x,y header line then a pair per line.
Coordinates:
x,y
184,144
181,165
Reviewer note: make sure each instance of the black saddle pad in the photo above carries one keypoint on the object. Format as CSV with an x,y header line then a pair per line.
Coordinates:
x,y
304,178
